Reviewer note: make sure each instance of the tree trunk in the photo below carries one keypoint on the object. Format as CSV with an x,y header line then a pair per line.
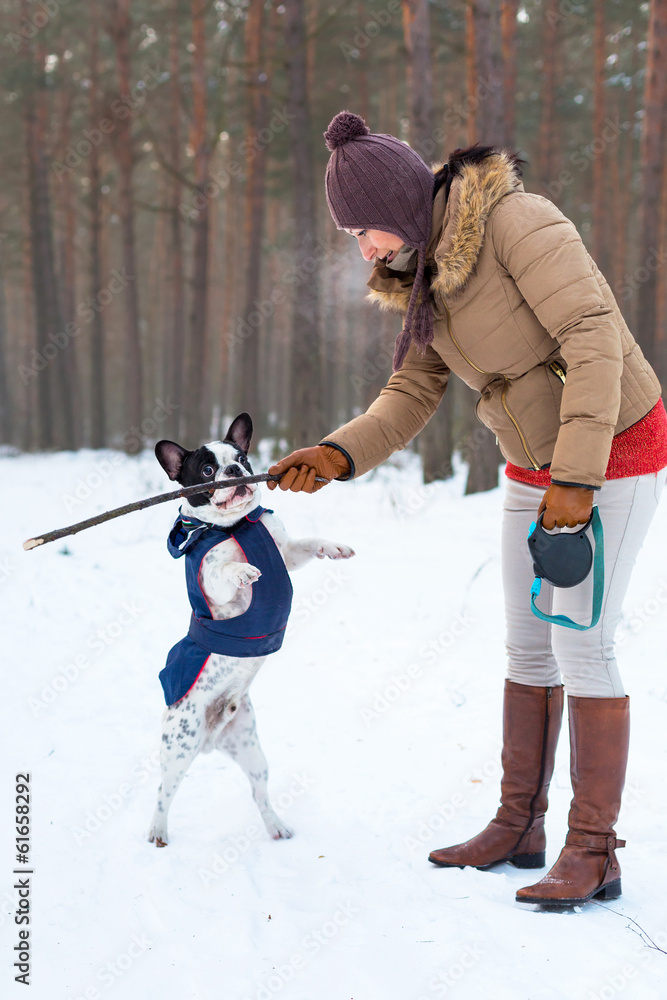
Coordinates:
x,y
231,357
653,127
436,440
98,404
508,14
196,419
489,90
306,418
250,396
547,116
485,457
661,291
417,35
6,407
121,29
43,433
30,402
600,167
471,69
176,325
55,420
67,275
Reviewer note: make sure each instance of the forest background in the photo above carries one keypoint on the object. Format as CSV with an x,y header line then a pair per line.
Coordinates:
x,y
167,258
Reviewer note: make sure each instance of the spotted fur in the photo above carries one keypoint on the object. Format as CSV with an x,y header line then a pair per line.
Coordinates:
x,y
217,714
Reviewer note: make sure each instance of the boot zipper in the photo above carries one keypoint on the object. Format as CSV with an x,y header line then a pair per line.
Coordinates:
x,y
524,443
540,780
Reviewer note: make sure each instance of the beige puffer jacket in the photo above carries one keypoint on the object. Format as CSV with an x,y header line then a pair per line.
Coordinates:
x,y
524,316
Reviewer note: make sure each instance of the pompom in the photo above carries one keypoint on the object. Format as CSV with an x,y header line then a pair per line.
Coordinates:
x,y
343,127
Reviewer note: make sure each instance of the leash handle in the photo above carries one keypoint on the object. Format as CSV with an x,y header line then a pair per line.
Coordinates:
x,y
598,580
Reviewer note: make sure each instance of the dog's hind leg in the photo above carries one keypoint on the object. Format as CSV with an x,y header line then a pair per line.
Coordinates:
x,y
182,736
239,740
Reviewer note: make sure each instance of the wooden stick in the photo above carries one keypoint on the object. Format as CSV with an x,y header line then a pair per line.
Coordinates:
x,y
186,491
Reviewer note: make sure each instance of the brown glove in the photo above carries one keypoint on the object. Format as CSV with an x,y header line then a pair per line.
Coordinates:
x,y
301,468
566,506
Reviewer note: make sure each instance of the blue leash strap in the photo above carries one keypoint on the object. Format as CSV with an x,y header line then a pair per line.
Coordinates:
x,y
598,583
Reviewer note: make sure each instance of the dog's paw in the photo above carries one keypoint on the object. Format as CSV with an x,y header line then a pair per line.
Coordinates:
x,y
331,550
157,837
243,574
276,828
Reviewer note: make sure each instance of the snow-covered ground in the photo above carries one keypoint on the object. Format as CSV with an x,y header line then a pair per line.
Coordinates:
x,y
380,718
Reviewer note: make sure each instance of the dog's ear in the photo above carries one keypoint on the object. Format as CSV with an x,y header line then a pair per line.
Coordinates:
x,y
240,432
171,457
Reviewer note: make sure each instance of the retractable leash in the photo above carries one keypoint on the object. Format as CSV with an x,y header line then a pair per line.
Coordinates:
x,y
565,560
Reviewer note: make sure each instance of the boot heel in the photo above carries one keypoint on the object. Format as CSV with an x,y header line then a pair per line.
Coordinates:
x,y
610,891
538,860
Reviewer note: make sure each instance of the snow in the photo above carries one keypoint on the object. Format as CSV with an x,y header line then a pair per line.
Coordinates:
x,y
380,718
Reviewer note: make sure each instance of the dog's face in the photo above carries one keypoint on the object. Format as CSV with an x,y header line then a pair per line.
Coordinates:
x,y
226,459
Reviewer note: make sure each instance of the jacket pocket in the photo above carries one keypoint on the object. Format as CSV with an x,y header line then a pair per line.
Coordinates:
x,y
524,414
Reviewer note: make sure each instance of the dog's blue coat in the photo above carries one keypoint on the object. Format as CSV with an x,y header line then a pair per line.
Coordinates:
x,y
256,632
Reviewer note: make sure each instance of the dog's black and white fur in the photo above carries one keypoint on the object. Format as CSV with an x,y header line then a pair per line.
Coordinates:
x,y
217,714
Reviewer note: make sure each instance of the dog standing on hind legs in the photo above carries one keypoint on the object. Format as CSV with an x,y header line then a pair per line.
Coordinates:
x,y
237,557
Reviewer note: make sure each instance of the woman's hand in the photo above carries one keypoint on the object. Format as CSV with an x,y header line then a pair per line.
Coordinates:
x,y
566,506
301,467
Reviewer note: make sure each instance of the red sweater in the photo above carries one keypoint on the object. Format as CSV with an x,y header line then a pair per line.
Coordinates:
x,y
639,450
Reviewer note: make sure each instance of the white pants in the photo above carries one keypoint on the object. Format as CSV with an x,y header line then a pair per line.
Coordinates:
x,y
545,655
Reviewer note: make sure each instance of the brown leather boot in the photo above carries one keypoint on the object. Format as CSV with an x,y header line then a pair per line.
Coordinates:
x,y
587,866
531,724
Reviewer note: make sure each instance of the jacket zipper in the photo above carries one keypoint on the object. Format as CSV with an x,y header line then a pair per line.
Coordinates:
x,y
524,443
529,454
558,371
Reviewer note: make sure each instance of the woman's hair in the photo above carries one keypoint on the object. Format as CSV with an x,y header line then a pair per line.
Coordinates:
x,y
464,155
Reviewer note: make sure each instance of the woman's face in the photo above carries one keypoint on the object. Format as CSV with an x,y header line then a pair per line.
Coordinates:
x,y
374,243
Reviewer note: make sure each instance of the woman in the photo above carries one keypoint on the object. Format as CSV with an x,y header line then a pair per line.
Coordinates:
x,y
497,287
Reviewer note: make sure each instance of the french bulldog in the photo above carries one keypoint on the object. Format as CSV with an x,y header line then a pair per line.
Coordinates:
x,y
237,557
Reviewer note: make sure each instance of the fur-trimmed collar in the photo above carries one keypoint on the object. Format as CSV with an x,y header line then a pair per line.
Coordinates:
x,y
480,179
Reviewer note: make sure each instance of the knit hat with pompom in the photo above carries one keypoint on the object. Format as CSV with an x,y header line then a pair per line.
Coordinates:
x,y
375,181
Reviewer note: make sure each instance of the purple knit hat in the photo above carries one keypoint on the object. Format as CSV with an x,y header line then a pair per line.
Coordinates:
x,y
375,181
